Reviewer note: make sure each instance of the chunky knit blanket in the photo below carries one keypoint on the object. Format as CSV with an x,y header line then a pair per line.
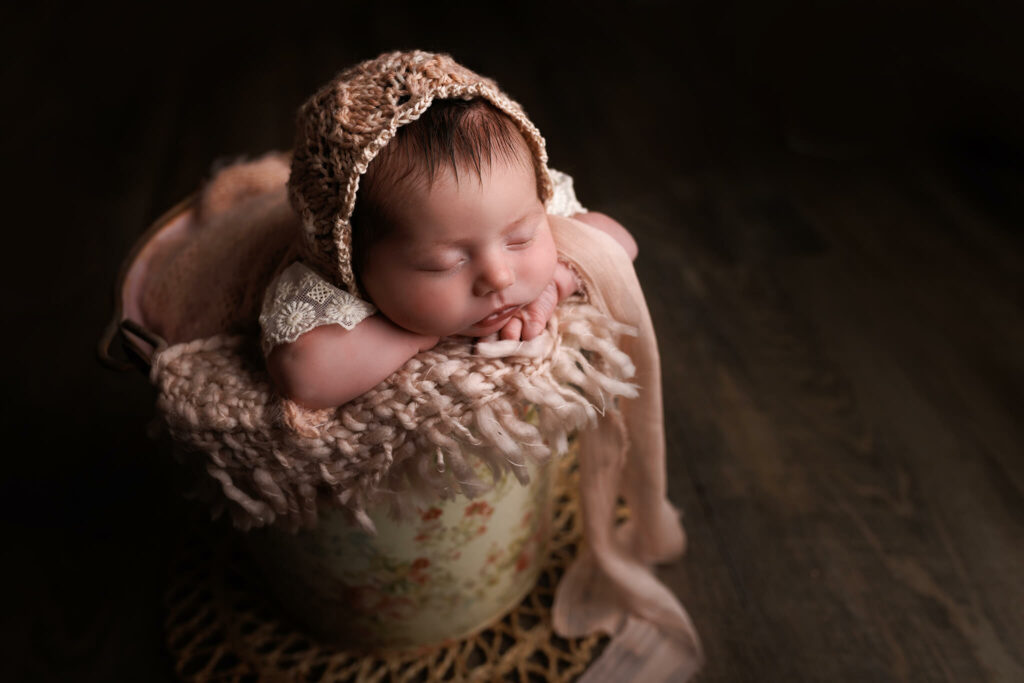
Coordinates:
x,y
407,441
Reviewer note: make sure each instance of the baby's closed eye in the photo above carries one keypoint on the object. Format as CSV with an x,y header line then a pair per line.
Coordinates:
x,y
441,267
441,262
521,238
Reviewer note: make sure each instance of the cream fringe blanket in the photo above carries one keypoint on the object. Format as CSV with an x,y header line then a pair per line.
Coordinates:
x,y
275,460
411,439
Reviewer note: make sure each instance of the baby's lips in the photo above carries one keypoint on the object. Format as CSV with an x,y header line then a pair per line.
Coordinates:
x,y
498,316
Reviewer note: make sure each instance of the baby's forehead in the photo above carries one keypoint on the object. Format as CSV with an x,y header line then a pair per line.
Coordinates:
x,y
456,231
452,187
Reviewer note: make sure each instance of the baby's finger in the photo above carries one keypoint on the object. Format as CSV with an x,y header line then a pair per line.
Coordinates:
x,y
513,329
537,314
533,327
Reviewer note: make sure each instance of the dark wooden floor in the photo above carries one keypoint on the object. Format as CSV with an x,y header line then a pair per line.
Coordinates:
x,y
829,210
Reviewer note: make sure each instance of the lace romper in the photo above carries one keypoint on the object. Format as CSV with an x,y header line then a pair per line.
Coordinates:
x,y
299,299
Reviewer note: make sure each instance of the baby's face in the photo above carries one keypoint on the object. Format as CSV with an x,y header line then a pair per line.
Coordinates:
x,y
463,256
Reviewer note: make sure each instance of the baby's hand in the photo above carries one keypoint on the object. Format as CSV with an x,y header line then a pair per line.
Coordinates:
x,y
533,317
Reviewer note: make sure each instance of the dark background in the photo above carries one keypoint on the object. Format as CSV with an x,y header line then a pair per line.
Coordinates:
x,y
828,203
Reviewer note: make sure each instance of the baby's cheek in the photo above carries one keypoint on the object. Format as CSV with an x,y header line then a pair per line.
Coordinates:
x,y
540,266
436,309
420,302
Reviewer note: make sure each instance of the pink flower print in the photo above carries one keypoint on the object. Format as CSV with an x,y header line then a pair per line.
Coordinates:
x,y
398,608
432,513
523,561
416,572
480,507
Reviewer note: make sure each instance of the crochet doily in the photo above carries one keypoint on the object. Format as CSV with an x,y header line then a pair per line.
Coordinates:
x,y
221,629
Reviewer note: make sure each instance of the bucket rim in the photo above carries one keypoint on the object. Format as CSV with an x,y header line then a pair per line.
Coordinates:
x,y
139,343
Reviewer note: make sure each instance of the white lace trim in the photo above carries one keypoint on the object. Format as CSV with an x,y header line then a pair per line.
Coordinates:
x,y
300,300
563,201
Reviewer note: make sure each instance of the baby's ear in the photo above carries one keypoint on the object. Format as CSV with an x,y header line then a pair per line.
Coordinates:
x,y
234,184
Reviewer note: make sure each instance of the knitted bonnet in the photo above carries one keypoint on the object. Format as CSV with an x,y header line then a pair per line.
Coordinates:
x,y
342,127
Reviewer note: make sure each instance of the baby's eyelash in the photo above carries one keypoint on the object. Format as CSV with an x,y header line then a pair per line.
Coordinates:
x,y
520,240
446,268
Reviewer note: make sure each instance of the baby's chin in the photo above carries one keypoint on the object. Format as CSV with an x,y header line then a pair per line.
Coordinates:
x,y
474,330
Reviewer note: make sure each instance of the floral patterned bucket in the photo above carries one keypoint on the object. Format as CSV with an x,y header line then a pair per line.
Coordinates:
x,y
457,567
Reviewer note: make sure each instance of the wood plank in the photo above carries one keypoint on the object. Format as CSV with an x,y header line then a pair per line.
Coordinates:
x,y
823,442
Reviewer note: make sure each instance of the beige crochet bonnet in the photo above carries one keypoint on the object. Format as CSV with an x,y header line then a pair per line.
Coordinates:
x,y
342,127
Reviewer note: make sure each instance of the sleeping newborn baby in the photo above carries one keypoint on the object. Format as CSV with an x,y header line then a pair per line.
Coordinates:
x,y
449,237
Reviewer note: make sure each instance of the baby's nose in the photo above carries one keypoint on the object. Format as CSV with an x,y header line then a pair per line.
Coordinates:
x,y
495,275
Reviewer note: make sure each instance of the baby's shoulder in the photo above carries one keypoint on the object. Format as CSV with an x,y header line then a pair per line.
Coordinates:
x,y
300,300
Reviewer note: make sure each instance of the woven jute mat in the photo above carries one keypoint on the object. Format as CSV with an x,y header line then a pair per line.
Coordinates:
x,y
221,626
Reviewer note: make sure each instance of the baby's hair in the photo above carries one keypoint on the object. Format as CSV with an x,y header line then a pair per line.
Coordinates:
x,y
456,135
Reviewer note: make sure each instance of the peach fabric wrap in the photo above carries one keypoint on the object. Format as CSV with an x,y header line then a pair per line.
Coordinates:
x,y
611,587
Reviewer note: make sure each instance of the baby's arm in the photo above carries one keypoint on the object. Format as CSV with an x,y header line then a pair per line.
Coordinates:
x,y
329,365
534,317
596,219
